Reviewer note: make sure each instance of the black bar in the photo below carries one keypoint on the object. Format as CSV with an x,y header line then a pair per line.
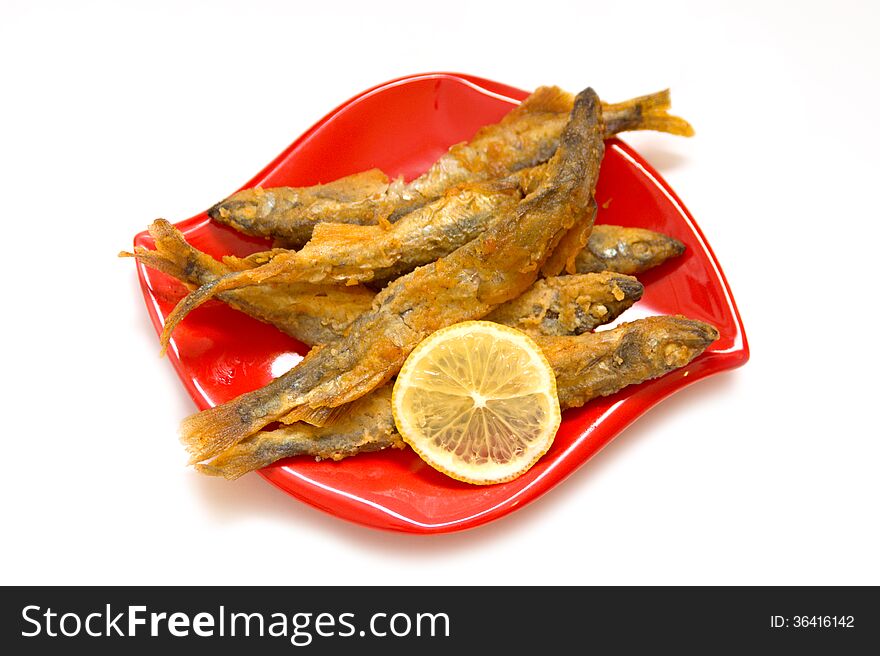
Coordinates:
x,y
517,619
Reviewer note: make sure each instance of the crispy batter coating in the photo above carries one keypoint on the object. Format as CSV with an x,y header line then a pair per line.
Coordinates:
x,y
495,267
348,254
482,223
526,136
344,253
569,305
588,366
291,213
602,363
351,254
369,427
314,314
317,314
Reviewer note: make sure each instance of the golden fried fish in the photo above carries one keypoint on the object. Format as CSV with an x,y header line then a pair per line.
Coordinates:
x,y
586,367
526,136
569,305
314,314
498,265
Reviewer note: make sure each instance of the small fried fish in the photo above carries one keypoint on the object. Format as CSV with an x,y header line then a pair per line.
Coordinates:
x,y
528,135
340,253
569,305
317,314
500,264
586,367
604,362
313,314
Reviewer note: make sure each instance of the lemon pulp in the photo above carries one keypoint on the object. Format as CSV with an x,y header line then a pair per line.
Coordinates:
x,y
478,402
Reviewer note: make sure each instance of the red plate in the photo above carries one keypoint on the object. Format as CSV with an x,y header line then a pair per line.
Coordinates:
x,y
402,127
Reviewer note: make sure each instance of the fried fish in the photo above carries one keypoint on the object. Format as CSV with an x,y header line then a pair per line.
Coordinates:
x,y
317,314
569,305
314,314
586,367
501,263
350,254
604,362
528,135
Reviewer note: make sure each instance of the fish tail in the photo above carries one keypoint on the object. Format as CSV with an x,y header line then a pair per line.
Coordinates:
x,y
544,99
158,261
666,123
370,427
207,433
210,431
206,292
320,416
263,449
652,102
186,305
171,245
174,256
233,467
257,451
648,112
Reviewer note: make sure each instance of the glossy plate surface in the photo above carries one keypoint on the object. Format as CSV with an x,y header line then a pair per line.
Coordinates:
x,y
402,127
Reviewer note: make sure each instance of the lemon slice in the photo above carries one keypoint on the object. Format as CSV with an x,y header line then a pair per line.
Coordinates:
x,y
477,401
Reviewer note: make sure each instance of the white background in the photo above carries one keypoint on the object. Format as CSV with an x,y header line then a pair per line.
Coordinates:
x,y
112,114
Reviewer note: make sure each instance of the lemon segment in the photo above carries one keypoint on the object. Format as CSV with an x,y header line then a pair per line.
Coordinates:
x,y
477,401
